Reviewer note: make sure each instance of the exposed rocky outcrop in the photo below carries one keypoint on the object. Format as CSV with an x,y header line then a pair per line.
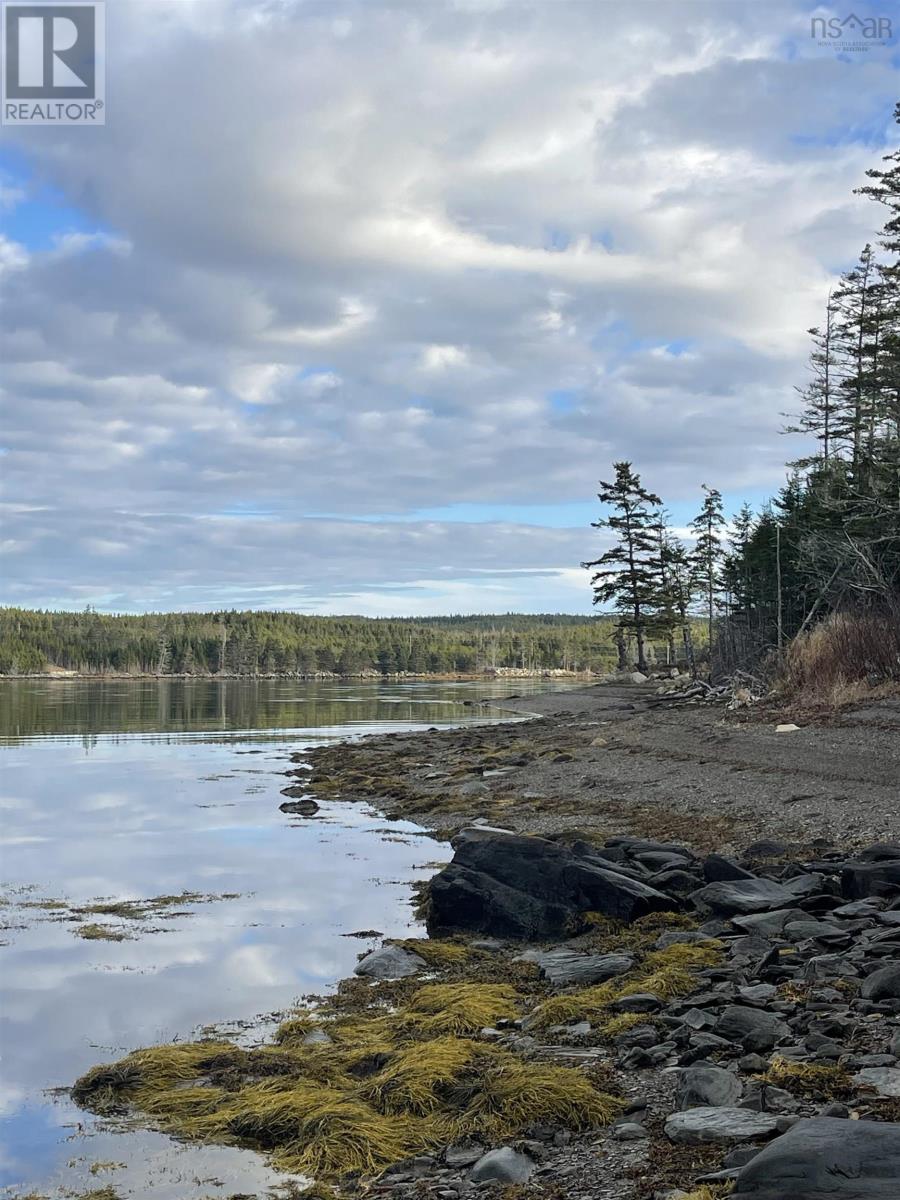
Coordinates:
x,y
512,885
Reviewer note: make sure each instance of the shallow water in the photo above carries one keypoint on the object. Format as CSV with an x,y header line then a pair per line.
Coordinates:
x,y
139,789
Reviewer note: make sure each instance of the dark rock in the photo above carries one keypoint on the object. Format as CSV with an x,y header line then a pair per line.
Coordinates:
x,y
302,808
766,849
825,1159
740,897
697,1125
860,880
719,869
705,1086
880,852
760,993
752,1028
638,1002
661,860
824,967
563,967
528,887
769,924
883,984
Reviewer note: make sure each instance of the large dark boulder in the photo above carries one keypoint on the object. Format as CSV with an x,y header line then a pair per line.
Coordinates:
x,y
509,885
826,1159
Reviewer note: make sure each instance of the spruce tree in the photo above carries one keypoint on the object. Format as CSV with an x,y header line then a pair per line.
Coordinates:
x,y
820,396
709,553
628,573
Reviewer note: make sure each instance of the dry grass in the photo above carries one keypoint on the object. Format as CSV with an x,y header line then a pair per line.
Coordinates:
x,y
847,658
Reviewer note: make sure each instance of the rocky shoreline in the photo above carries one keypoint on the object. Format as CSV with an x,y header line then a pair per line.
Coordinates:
x,y
627,994
604,760
799,1021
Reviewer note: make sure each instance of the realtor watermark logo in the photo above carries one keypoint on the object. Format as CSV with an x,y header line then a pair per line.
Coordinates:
x,y
851,32
54,64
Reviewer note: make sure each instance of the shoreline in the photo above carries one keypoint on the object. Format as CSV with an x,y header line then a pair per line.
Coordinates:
x,y
612,759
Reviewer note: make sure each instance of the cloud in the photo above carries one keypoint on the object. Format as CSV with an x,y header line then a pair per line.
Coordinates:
x,y
342,258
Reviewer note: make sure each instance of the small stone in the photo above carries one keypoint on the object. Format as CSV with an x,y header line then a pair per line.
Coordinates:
x,y
703,1086
787,727
836,1109
504,1166
630,1131
754,1029
389,962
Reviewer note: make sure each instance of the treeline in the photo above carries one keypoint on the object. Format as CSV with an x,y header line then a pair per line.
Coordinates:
x,y
829,542
262,643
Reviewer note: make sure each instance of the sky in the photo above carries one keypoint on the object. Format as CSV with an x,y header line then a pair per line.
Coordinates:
x,y
349,306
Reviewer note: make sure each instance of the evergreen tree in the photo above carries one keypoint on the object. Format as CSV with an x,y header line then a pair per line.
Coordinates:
x,y
628,573
820,396
709,553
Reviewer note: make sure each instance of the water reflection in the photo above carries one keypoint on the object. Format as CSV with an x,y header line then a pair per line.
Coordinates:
x,y
43,707
187,804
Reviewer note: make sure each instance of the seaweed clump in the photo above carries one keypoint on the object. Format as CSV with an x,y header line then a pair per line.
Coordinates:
x,y
813,1081
398,1073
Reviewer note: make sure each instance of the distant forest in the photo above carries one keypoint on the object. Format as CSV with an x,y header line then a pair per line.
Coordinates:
x,y
276,643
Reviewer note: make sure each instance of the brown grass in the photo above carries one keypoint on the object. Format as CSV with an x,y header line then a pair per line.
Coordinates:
x,y
847,658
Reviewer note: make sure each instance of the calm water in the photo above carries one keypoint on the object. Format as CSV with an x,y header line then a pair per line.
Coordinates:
x,y
131,790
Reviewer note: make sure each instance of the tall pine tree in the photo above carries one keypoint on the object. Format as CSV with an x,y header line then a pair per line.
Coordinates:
x,y
709,553
628,573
